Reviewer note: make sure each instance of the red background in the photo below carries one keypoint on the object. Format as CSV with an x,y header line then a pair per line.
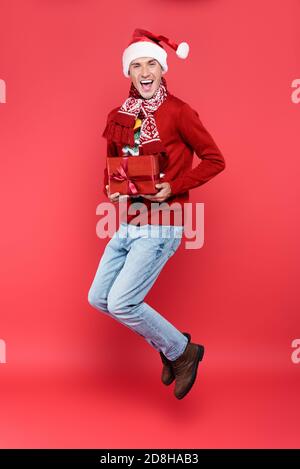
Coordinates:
x,y
74,377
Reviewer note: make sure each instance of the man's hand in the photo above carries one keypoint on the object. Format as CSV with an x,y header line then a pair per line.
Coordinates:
x,y
115,196
164,193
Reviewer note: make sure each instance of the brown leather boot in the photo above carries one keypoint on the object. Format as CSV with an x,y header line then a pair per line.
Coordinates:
x,y
167,375
185,369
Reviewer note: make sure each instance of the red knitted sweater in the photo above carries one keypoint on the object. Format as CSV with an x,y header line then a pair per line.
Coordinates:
x,y
182,134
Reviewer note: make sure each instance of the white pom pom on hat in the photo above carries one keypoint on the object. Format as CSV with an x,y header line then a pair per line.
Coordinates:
x,y
147,44
183,50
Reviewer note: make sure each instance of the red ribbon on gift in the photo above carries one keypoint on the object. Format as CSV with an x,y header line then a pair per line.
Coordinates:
x,y
121,174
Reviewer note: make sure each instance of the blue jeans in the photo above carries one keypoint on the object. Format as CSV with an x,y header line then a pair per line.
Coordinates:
x,y
129,266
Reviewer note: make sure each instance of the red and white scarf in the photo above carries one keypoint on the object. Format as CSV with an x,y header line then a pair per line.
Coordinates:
x,y
120,129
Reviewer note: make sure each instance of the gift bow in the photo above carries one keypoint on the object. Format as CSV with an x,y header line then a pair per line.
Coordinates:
x,y
121,174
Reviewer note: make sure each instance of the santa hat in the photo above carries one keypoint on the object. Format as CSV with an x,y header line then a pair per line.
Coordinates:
x,y
146,44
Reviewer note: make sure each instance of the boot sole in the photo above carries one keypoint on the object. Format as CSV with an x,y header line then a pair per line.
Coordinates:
x,y
200,354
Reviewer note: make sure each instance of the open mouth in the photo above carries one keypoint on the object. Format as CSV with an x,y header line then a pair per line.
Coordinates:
x,y
146,84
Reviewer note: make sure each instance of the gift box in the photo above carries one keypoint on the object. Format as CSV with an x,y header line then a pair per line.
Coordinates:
x,y
133,175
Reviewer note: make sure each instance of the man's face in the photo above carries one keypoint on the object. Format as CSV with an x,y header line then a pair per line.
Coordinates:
x,y
145,68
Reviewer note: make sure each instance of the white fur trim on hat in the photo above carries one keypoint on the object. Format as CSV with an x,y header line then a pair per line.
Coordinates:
x,y
144,49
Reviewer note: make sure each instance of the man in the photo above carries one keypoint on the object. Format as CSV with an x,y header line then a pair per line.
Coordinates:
x,y
152,120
